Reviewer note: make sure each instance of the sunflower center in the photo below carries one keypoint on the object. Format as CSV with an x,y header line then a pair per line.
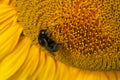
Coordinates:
x,y
89,29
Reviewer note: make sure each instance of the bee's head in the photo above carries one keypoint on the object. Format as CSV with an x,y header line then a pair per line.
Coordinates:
x,y
43,33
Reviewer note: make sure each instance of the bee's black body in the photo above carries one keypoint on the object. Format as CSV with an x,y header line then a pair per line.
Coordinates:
x,y
45,41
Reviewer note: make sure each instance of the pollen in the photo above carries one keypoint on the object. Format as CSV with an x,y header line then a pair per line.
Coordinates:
x,y
89,30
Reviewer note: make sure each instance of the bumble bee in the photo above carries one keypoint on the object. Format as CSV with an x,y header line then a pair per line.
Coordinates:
x,y
46,41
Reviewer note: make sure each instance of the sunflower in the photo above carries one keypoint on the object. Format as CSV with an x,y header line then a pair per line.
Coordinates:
x,y
22,58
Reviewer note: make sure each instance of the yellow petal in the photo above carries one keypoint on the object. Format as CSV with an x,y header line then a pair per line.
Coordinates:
x,y
9,39
7,2
41,64
15,59
46,68
50,69
29,67
95,75
4,1
9,30
62,72
8,17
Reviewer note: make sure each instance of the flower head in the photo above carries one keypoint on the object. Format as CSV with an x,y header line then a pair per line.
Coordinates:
x,y
22,59
89,30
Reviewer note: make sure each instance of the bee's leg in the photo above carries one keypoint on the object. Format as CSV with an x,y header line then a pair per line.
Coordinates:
x,y
56,47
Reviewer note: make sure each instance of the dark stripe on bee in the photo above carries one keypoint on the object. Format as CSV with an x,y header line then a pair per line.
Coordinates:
x,y
46,41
